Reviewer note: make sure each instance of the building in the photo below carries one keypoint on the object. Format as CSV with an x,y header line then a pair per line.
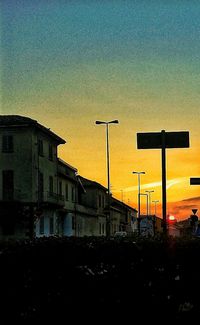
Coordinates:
x,y
42,195
67,188
95,198
28,175
121,215
127,218
150,225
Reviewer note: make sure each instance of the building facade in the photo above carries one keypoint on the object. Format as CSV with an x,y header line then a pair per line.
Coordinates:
x,y
41,195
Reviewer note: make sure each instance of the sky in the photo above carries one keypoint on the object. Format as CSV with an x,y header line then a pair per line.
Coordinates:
x,y
69,63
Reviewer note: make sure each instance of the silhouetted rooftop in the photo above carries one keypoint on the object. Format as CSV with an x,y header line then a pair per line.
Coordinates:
x,y
17,120
11,119
67,165
88,183
122,204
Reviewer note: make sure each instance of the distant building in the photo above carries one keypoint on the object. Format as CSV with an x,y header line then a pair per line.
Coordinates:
x,y
95,198
121,215
188,228
158,224
150,225
127,217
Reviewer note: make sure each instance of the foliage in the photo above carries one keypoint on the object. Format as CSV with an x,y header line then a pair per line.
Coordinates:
x,y
53,278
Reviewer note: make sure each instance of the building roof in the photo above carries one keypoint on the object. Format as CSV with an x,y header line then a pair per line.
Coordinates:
x,y
17,120
64,163
88,183
122,204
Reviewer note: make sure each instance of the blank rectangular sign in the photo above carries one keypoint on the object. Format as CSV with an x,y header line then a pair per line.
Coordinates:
x,y
195,181
153,140
177,139
149,140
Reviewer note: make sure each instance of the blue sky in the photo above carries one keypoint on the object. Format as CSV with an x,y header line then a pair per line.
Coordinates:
x,y
39,37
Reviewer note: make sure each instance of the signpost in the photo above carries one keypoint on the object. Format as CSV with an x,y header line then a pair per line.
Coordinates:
x,y
194,181
194,221
163,140
194,218
194,211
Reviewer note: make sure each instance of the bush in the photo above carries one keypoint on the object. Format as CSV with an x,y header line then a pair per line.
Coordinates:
x,y
51,278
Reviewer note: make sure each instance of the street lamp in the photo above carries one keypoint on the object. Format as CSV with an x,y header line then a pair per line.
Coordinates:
x,y
138,173
147,201
149,192
155,201
108,228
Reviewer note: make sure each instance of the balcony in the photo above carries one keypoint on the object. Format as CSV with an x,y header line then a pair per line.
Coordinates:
x,y
54,198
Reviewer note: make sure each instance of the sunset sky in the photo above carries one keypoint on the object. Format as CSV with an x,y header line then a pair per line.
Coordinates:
x,y
69,63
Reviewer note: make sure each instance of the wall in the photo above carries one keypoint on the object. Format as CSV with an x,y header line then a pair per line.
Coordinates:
x,y
20,161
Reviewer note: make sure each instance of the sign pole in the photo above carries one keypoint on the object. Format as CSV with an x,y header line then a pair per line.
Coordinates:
x,y
162,140
164,195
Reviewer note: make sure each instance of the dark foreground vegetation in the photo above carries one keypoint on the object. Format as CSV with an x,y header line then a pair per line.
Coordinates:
x,y
64,280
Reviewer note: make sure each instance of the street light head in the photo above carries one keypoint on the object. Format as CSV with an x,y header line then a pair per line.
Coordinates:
x,y
114,121
138,172
104,122
100,122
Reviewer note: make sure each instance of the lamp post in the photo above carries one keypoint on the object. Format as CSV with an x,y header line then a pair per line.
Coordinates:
x,y
155,201
138,173
149,192
147,201
108,223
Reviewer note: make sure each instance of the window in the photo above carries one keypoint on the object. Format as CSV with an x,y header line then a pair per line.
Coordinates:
x,y
41,225
103,228
51,184
7,143
67,192
51,225
60,188
50,152
113,229
79,229
40,147
73,194
73,222
99,228
99,201
8,185
40,186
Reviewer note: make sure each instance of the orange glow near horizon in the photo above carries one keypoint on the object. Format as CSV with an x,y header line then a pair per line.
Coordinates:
x,y
86,150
